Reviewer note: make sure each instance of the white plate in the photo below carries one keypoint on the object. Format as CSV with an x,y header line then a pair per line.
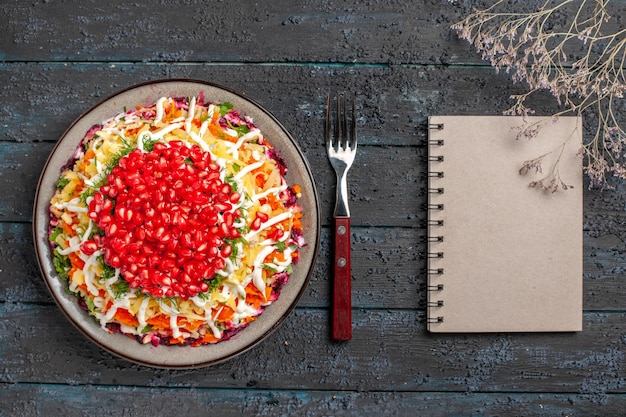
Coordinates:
x,y
179,356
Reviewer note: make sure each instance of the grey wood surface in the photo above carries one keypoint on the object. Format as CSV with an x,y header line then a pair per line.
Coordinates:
x,y
59,58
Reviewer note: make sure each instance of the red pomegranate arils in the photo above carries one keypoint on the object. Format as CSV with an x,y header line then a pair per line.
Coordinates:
x,y
140,182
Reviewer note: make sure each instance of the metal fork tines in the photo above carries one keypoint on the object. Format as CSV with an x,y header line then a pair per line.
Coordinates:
x,y
341,144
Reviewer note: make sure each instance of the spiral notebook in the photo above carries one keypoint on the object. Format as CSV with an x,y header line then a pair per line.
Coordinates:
x,y
503,256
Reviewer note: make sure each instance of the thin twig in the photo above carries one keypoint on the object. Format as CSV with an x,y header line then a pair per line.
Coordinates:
x,y
524,45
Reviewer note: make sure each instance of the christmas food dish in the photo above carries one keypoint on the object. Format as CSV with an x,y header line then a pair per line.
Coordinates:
x,y
175,222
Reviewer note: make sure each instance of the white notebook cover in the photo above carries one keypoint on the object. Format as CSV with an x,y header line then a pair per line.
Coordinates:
x,y
511,255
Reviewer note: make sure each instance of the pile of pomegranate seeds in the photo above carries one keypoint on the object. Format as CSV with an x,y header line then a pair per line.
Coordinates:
x,y
167,218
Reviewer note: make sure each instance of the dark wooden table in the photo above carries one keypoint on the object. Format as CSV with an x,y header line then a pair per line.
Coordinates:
x,y
59,58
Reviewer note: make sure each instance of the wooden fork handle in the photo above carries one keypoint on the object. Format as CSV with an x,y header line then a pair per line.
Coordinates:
x,y
342,288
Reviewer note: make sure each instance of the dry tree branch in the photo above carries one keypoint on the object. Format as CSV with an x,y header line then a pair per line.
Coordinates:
x,y
527,46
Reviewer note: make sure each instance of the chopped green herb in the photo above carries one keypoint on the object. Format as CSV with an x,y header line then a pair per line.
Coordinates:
x,y
230,179
148,144
62,182
55,233
109,272
120,288
62,265
225,108
215,283
90,305
240,129
281,246
173,302
86,193
204,296
234,244
115,159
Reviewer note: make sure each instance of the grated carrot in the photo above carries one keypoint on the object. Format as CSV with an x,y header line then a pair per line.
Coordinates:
x,y
123,316
219,133
159,322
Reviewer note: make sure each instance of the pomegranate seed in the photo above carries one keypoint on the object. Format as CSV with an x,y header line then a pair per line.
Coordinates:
x,y
114,261
226,189
168,264
89,247
185,252
228,218
104,220
226,251
178,287
187,239
222,206
213,251
219,263
107,204
140,233
98,199
111,229
276,234
235,197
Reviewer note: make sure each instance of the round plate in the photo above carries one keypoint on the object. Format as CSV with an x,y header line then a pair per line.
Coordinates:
x,y
179,356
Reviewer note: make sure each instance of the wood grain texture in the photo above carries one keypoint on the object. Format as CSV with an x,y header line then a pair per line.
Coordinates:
x,y
44,401
58,59
398,32
301,356
229,31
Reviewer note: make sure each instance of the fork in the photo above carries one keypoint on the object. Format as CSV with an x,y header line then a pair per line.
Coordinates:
x,y
341,147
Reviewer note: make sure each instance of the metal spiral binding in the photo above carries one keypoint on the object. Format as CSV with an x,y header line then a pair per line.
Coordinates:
x,y
434,206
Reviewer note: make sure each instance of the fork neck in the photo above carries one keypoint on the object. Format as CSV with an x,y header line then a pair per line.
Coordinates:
x,y
341,200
